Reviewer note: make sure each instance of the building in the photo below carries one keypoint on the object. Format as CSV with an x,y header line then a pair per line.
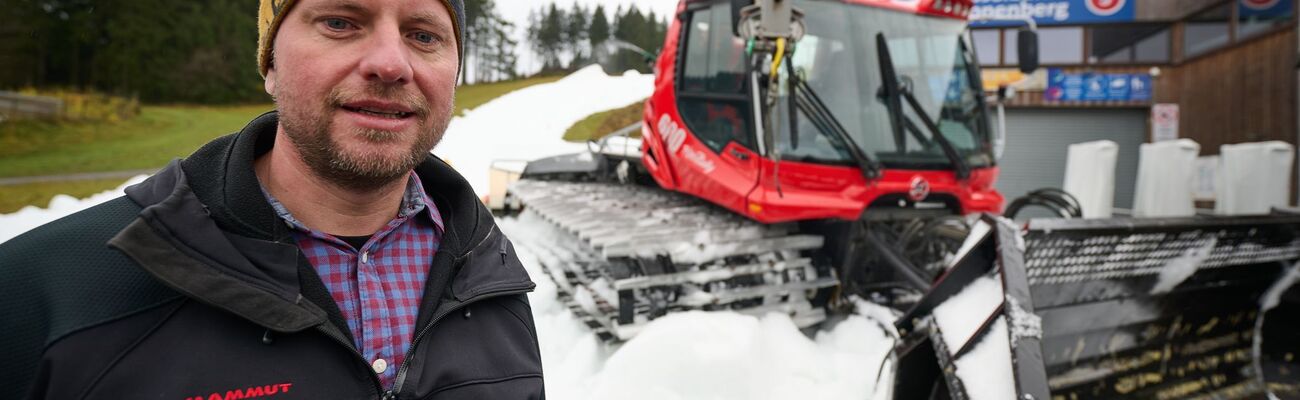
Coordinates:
x,y
1229,66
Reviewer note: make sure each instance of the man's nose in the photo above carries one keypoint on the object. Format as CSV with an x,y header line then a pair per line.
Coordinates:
x,y
387,59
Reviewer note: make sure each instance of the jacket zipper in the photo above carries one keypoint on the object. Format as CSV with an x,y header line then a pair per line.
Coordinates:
x,y
379,386
401,372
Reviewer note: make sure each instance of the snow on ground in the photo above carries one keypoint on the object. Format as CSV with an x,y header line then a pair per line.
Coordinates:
x,y
29,217
527,124
696,355
703,355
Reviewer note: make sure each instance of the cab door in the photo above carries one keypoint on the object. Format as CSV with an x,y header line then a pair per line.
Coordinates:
x,y
716,159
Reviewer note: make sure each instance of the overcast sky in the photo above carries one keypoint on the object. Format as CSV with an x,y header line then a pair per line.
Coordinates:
x,y
517,11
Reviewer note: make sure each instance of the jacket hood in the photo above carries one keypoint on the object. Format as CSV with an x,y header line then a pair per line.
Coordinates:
x,y
207,230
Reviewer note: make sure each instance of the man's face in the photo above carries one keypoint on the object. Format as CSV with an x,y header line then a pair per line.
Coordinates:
x,y
364,87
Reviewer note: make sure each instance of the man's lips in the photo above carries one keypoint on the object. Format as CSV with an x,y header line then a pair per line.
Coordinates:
x,y
380,109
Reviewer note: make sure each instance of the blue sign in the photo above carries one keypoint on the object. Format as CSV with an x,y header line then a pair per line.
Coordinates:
x,y
1117,86
1139,87
1264,9
1094,87
1054,12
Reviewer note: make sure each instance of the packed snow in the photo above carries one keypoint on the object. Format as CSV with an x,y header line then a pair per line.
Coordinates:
x,y
695,355
985,371
29,217
961,316
527,124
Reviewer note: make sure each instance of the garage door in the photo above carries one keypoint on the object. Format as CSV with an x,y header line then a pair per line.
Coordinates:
x,y
1038,141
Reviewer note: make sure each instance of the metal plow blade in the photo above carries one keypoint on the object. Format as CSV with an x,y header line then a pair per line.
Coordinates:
x,y
1195,308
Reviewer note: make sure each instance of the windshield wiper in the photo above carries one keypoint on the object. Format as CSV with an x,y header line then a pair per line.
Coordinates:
x,y
811,104
893,93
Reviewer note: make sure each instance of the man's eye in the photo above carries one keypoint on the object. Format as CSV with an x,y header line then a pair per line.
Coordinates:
x,y
424,37
337,24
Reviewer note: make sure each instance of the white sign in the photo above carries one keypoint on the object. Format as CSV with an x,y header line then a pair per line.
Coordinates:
x,y
1164,122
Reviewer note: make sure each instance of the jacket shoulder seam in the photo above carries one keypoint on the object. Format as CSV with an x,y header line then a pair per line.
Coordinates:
x,y
128,349
531,329
54,340
486,381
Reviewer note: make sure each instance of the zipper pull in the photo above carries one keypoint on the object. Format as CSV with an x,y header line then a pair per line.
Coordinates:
x,y
503,251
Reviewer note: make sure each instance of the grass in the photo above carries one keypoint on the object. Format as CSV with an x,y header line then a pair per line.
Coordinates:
x,y
150,140
15,197
597,125
472,96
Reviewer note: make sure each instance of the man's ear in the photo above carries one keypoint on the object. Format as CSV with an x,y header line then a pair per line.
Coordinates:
x,y
269,82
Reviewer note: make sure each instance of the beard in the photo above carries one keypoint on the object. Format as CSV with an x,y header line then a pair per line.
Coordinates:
x,y
311,131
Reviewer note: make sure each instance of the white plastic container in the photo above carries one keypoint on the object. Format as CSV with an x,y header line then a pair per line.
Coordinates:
x,y
1254,177
1090,176
1165,179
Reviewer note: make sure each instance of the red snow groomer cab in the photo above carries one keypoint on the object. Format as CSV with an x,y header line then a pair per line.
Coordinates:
x,y
831,141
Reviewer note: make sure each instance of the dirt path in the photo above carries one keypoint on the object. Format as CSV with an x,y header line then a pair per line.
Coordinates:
x,y
20,180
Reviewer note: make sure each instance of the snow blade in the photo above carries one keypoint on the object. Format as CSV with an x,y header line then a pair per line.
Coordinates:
x,y
1111,309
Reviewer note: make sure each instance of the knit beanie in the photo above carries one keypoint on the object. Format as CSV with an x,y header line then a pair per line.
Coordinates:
x,y
272,12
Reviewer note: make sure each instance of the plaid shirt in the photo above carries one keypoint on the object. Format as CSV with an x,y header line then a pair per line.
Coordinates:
x,y
379,286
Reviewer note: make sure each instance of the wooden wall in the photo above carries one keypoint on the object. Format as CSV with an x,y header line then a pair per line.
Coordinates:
x,y
1242,93
1166,10
1245,93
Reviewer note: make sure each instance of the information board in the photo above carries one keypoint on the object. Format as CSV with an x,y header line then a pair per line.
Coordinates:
x,y
1096,87
1053,12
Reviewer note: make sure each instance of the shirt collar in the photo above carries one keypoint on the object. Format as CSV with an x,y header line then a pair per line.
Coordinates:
x,y
414,200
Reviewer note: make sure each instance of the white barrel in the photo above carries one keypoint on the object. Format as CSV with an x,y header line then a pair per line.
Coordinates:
x,y
1165,179
1253,177
1090,176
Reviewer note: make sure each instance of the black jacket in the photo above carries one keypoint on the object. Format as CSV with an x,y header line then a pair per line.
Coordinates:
x,y
191,287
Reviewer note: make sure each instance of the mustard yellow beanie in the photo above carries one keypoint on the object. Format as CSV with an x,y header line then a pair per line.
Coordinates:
x,y
272,12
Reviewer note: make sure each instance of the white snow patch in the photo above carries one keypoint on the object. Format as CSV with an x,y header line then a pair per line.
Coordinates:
x,y
529,123
1179,269
961,316
985,371
30,217
701,355
1024,324
704,355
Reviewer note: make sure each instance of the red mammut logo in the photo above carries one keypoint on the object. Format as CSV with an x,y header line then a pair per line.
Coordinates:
x,y
249,393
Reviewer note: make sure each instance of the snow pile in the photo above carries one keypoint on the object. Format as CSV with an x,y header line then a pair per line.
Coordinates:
x,y
529,123
698,355
29,217
985,370
961,316
704,355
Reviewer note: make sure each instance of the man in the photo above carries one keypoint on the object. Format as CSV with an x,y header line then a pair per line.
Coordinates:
x,y
319,253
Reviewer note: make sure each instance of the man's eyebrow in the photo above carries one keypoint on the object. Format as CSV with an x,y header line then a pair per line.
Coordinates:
x,y
336,5
429,18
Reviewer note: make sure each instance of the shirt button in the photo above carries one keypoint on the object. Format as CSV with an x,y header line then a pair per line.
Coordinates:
x,y
365,257
380,366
